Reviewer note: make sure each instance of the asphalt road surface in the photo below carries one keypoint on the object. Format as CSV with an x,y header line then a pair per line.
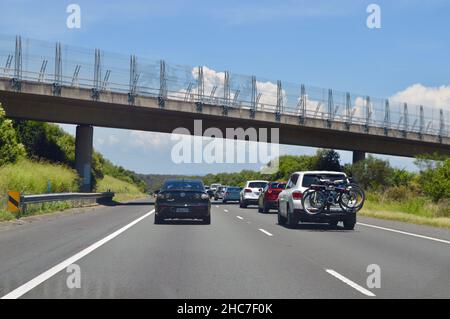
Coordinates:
x,y
121,253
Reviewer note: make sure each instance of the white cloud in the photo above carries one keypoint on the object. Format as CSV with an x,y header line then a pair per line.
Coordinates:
x,y
113,140
418,94
99,141
149,141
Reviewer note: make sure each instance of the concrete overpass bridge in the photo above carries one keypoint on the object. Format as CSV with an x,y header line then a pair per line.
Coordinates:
x,y
61,84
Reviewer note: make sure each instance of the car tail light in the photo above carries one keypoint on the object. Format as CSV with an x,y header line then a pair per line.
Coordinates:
x,y
227,193
164,196
247,190
297,195
269,191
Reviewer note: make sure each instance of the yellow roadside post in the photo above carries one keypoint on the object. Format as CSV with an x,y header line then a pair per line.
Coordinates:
x,y
13,205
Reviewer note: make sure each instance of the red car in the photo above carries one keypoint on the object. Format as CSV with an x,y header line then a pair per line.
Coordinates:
x,y
268,198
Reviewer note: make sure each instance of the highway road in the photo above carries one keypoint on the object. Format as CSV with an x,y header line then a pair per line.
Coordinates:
x,y
242,254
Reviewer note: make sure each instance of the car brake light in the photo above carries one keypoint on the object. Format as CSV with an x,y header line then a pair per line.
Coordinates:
x,y
269,191
297,195
248,190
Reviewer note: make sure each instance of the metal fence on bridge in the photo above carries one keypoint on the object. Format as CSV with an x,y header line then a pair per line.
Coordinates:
x,y
65,65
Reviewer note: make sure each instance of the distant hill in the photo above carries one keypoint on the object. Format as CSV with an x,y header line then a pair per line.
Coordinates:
x,y
155,181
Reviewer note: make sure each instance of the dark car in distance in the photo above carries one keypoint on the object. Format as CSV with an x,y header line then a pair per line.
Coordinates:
x,y
182,199
268,198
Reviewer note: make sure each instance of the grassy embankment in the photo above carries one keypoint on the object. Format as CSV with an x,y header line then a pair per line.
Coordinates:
x,y
408,208
124,191
30,177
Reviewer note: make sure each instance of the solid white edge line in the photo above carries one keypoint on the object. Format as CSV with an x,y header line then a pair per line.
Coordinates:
x,y
265,232
406,233
350,283
20,291
240,217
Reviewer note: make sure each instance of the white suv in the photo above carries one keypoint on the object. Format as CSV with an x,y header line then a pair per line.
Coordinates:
x,y
250,193
290,209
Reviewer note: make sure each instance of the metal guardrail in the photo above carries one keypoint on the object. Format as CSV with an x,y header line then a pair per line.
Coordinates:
x,y
18,203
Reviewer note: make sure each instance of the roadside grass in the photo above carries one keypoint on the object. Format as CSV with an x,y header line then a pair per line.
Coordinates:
x,y
31,177
123,191
407,208
37,177
5,215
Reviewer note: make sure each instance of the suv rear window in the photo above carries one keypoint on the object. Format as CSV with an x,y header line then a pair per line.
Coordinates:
x,y
309,179
257,184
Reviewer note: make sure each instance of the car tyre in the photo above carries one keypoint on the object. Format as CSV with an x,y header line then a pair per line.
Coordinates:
x,y
265,209
349,224
158,220
281,219
206,220
290,221
243,204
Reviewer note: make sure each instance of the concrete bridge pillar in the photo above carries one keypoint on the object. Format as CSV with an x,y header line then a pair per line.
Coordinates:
x,y
83,155
358,156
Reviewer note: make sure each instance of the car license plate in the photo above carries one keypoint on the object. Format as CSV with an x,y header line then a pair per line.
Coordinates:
x,y
183,210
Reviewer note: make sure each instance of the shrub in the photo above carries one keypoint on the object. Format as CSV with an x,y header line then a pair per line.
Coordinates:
x,y
436,182
10,149
397,193
372,173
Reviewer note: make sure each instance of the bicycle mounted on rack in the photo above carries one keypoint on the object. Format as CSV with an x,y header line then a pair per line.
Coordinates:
x,y
326,194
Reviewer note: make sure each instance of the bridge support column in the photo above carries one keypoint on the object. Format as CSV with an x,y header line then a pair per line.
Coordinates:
x,y
83,155
358,156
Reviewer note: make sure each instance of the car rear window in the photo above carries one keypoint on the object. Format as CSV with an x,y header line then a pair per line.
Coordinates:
x,y
183,185
257,184
233,189
309,179
278,185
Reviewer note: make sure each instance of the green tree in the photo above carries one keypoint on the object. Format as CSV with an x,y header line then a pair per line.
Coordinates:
x,y
328,160
10,148
436,181
40,140
401,177
371,173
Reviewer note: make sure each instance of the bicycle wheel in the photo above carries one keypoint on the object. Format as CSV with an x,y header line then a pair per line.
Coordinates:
x,y
313,202
353,200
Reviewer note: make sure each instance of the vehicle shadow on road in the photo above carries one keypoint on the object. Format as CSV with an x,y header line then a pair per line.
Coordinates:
x,y
226,203
314,227
182,222
139,203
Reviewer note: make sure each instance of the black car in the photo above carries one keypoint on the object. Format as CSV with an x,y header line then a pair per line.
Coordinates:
x,y
182,199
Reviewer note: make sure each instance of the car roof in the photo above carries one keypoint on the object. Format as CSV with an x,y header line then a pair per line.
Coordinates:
x,y
257,181
320,172
183,180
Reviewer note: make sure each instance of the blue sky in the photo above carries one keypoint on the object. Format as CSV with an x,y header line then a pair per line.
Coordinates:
x,y
321,43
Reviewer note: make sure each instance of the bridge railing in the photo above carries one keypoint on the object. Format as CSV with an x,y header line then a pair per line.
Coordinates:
x,y
64,65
